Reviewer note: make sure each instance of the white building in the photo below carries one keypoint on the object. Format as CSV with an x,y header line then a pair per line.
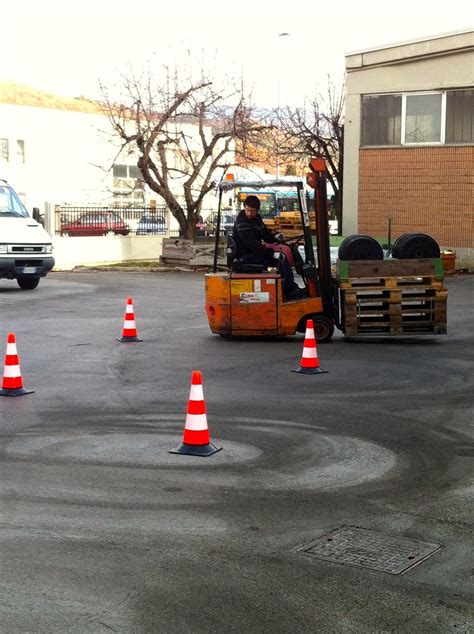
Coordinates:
x,y
59,150
52,148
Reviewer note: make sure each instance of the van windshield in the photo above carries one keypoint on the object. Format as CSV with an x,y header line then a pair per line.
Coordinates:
x,y
10,204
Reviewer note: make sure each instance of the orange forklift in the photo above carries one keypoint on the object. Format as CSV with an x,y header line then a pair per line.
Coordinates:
x,y
249,301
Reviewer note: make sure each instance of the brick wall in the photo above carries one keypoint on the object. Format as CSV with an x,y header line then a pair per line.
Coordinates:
x,y
426,190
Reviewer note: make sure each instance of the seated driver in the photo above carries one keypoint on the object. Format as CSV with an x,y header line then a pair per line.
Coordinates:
x,y
251,235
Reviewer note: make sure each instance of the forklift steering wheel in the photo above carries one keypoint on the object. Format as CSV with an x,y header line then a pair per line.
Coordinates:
x,y
294,240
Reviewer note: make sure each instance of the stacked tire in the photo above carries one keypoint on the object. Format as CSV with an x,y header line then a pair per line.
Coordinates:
x,y
411,246
360,247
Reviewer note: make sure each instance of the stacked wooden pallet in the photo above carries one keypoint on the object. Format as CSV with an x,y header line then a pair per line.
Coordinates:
x,y
289,223
392,297
271,224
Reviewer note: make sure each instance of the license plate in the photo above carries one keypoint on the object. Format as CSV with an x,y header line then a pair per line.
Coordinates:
x,y
29,269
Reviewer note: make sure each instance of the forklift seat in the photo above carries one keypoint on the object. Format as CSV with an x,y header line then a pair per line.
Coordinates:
x,y
239,267
235,263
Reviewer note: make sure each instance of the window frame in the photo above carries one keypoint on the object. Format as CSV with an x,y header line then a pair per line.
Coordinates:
x,y
128,191
379,94
20,151
453,124
442,121
403,143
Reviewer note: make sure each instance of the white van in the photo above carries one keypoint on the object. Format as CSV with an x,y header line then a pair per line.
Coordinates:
x,y
25,247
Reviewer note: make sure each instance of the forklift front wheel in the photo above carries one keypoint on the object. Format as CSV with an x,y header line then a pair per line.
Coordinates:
x,y
323,327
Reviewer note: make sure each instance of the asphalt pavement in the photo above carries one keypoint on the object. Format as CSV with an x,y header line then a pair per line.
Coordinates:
x,y
324,485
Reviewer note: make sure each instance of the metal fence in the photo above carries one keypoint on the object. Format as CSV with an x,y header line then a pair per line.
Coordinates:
x,y
100,221
207,225
227,222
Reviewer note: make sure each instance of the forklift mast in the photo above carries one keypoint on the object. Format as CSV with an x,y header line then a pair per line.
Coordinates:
x,y
317,180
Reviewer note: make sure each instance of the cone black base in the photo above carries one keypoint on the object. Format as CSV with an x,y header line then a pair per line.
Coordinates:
x,y
310,371
19,391
122,338
196,450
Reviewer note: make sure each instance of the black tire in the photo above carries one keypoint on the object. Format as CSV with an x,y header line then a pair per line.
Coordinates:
x,y
28,283
411,246
398,244
323,327
360,247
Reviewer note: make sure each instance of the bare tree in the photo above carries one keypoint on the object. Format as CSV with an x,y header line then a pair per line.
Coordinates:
x,y
316,129
184,135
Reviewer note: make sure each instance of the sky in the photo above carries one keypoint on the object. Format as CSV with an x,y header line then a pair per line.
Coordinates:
x,y
67,48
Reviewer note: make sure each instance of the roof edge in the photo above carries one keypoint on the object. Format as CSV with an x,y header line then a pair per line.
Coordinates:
x,y
426,38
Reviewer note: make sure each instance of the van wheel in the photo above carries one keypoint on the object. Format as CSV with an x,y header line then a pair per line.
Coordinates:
x,y
28,283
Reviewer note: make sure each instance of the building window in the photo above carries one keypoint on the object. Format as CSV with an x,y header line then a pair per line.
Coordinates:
x,y
120,171
134,172
460,116
4,154
20,150
128,188
422,120
418,118
381,119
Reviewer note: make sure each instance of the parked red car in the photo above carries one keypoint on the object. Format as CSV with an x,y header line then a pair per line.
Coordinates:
x,y
96,224
200,227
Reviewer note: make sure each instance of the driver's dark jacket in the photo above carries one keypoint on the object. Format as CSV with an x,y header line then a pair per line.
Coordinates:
x,y
248,235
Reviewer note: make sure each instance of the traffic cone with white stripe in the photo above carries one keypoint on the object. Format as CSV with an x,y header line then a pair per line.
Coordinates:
x,y
196,439
12,384
309,363
129,332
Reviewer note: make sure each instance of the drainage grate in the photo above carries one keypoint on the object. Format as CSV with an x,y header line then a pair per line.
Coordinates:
x,y
363,548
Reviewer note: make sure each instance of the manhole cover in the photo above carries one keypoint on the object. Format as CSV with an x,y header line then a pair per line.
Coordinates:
x,y
368,549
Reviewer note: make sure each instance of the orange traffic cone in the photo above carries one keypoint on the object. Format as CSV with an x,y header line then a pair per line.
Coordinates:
x,y
309,363
196,439
129,332
12,384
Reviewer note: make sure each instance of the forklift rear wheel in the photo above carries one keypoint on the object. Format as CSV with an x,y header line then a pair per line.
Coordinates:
x,y
360,247
323,327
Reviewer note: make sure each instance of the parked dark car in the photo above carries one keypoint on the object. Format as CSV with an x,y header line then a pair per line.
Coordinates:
x,y
96,224
151,225
227,224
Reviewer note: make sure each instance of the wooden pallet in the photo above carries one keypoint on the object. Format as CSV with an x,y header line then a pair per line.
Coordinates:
x,y
289,223
377,269
392,297
271,224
